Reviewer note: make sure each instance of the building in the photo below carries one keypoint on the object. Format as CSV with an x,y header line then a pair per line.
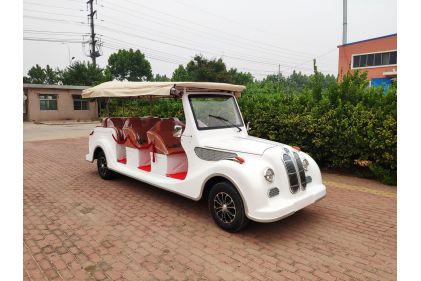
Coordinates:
x,y
377,56
56,102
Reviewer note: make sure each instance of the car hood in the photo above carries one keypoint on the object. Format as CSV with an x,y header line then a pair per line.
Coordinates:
x,y
241,144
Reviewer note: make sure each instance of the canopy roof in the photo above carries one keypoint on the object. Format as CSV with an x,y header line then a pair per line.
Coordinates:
x,y
119,89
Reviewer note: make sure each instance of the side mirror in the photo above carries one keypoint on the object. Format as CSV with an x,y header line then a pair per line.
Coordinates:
x,y
248,126
177,131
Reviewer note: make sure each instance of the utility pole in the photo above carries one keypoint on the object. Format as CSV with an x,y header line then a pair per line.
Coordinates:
x,y
93,54
345,22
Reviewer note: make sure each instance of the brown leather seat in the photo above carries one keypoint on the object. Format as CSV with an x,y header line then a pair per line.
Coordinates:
x,y
135,131
161,136
117,123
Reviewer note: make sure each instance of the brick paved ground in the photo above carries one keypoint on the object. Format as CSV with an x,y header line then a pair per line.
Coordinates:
x,y
79,227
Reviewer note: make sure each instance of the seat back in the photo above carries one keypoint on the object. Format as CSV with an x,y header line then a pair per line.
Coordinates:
x,y
117,123
161,135
137,128
147,123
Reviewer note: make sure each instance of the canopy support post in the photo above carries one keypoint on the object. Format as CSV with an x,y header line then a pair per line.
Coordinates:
x,y
98,101
107,106
150,105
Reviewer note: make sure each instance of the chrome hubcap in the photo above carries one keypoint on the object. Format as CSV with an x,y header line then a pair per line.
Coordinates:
x,y
224,207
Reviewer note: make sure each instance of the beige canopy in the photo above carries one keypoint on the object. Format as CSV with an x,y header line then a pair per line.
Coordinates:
x,y
135,89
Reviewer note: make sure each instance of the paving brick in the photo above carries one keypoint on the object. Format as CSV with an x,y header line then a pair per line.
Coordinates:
x,y
126,230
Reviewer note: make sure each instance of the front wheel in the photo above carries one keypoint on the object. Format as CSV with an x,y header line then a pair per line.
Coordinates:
x,y
226,207
103,170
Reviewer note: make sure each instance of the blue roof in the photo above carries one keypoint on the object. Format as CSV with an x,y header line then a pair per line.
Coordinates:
x,y
381,37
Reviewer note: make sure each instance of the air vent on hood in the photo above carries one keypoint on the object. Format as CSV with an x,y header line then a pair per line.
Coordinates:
x,y
212,154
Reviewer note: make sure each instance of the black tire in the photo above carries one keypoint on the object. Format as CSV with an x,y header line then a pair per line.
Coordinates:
x,y
226,207
103,171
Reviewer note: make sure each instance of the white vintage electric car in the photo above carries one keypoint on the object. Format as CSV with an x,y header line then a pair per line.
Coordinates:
x,y
208,155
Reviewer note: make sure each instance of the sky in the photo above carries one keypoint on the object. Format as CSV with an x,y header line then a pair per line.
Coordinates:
x,y
260,37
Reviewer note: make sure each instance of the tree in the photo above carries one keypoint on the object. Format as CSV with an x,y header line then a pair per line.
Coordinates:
x,y
215,70
83,74
129,65
161,78
39,75
180,74
36,75
202,69
241,78
53,76
297,81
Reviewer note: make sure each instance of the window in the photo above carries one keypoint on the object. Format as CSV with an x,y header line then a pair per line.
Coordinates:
x,y
47,102
370,60
375,59
363,61
215,111
79,103
393,57
356,61
386,57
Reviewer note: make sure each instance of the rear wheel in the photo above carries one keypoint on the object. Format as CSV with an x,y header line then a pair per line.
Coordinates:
x,y
226,207
103,170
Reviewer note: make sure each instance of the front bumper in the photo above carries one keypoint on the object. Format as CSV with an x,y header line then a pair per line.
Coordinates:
x,y
279,208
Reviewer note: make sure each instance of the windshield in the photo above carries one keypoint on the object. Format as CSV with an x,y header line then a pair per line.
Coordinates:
x,y
215,111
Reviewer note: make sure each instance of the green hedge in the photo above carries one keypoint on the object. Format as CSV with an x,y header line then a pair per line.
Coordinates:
x,y
343,126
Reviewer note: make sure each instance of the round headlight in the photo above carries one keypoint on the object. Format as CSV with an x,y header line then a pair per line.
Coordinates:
x,y
269,174
305,164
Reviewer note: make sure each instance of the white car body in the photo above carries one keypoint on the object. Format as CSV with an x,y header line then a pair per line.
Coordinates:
x,y
248,177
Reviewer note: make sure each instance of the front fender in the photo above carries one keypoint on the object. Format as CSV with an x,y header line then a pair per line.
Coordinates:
x,y
247,178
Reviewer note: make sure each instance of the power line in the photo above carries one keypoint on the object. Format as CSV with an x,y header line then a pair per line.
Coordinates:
x,y
147,53
53,32
55,20
239,23
238,55
195,50
52,40
131,45
49,13
230,35
152,53
150,57
75,1
322,55
182,47
191,28
52,6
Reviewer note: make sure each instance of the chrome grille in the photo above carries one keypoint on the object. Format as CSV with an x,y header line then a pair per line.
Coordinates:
x,y
300,170
292,173
212,155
